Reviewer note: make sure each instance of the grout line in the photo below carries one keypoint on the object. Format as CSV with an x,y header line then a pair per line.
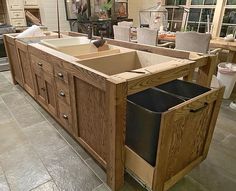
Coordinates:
x,y
97,187
41,184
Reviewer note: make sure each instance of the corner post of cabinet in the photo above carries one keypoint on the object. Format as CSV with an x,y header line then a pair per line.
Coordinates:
x,y
116,94
10,59
189,77
206,72
215,109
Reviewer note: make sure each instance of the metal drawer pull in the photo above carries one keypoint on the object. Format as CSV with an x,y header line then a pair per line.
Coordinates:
x,y
40,64
65,116
62,94
60,74
199,109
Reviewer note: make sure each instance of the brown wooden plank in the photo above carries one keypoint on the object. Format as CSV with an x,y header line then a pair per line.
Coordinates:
x,y
116,93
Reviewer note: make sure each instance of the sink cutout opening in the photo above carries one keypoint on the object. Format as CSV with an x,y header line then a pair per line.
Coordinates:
x,y
114,64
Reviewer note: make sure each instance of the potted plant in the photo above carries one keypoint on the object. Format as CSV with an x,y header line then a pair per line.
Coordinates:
x,y
104,9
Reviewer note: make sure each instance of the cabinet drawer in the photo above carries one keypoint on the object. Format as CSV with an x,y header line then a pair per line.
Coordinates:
x,y
65,115
17,14
41,65
63,91
60,74
18,22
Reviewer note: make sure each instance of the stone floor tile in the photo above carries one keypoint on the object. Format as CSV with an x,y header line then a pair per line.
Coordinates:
x,y
96,169
48,186
23,168
14,100
7,75
27,115
6,88
10,136
188,184
3,182
69,172
78,149
5,114
213,178
44,138
102,187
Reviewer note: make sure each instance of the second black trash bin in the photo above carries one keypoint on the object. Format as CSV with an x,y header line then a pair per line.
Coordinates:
x,y
144,111
182,89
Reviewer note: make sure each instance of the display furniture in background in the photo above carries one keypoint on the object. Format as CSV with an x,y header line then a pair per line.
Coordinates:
x,y
100,14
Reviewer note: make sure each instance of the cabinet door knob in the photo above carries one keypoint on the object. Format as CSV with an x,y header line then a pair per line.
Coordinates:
x,y
40,64
43,89
60,74
62,94
65,116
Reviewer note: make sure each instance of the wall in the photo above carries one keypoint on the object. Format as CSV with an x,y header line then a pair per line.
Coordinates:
x,y
48,11
136,5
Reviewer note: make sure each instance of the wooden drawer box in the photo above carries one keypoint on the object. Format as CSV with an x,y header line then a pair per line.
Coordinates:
x,y
65,116
63,91
18,22
60,74
17,14
41,65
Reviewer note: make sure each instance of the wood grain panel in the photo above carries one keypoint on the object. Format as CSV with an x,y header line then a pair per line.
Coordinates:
x,y
90,103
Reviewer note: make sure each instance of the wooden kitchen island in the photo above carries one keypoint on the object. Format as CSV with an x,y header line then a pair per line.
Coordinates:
x,y
87,94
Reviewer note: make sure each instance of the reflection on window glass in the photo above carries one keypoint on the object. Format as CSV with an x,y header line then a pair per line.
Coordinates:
x,y
176,26
192,27
202,28
206,12
231,2
230,16
170,2
197,2
178,14
210,2
170,11
194,14
180,2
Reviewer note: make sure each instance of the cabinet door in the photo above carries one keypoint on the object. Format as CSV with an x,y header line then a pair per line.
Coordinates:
x,y
15,65
40,88
51,93
15,4
26,68
31,2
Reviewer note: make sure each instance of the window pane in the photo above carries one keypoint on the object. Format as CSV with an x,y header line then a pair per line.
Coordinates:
x,y
202,28
230,16
170,12
176,26
170,2
223,30
194,14
210,2
192,26
180,2
206,12
231,2
197,2
178,14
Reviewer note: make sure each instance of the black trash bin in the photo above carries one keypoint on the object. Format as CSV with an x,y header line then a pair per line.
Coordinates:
x,y
182,89
144,111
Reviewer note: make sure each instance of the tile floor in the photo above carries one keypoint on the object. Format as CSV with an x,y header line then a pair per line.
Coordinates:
x,y
36,154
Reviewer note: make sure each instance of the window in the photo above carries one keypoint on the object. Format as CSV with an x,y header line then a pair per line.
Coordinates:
x,y
198,14
175,14
229,18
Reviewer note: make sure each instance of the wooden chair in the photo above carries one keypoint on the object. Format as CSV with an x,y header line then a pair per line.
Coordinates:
x,y
121,33
125,24
149,36
193,41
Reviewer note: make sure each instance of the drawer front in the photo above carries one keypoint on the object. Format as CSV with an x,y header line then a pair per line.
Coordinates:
x,y
41,65
17,14
61,74
31,2
63,91
65,115
18,22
